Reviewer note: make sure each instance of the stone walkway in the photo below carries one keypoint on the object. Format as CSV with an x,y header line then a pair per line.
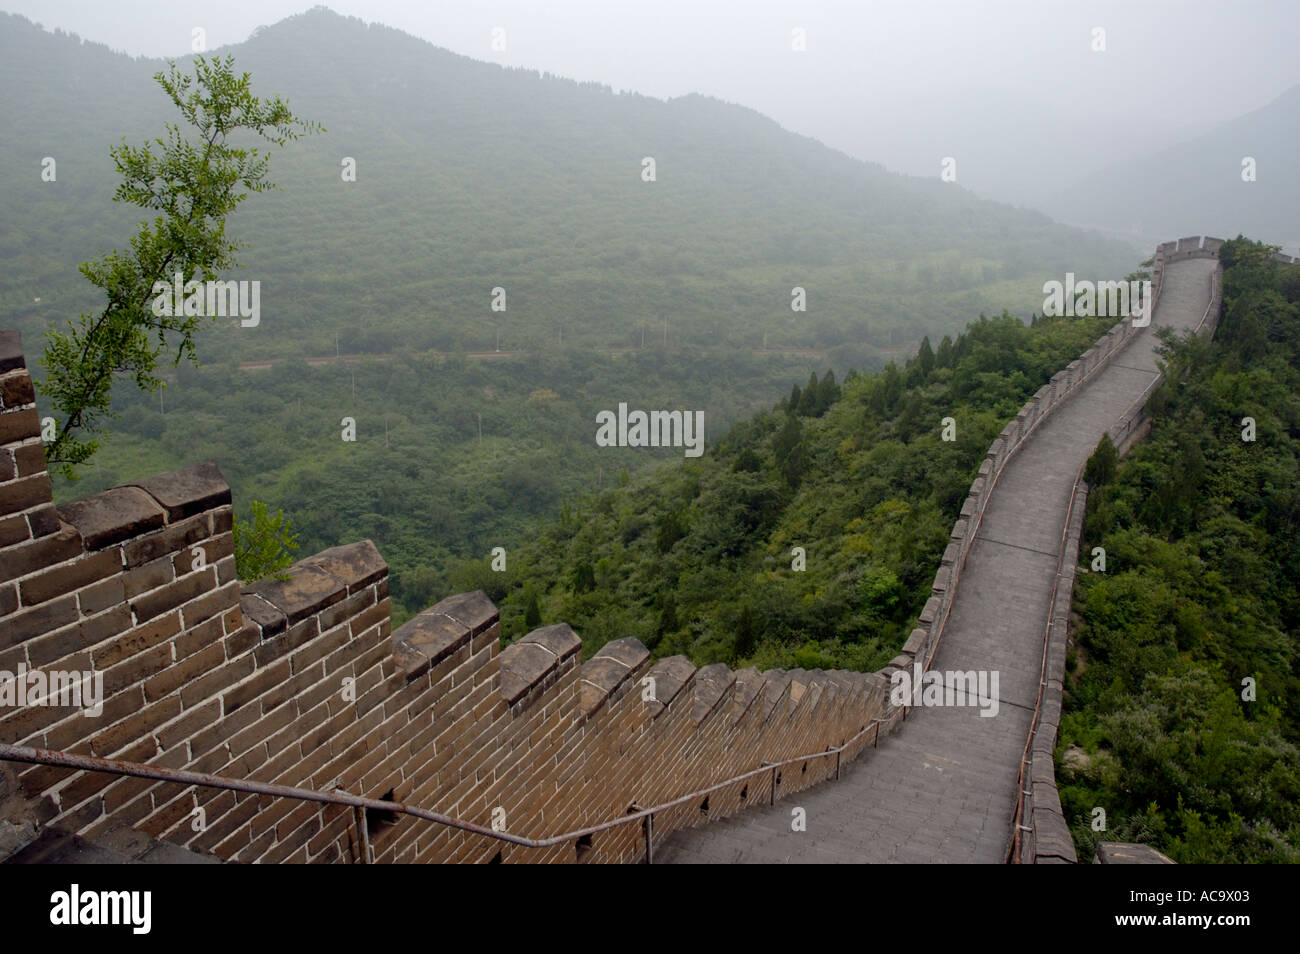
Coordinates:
x,y
942,788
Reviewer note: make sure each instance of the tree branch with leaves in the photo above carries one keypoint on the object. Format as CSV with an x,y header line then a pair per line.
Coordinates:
x,y
193,184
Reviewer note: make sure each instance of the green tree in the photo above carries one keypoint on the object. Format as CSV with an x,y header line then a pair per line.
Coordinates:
x,y
925,357
264,545
745,636
532,611
668,616
192,186
828,392
788,450
1103,463
672,527
943,358
583,579
808,403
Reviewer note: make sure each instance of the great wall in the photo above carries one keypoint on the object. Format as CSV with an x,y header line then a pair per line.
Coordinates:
x,y
302,683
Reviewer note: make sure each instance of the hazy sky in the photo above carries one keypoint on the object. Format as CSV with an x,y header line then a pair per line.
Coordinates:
x,y
1007,87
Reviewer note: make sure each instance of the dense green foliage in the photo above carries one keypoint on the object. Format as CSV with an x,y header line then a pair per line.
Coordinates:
x,y
1201,591
699,558
264,544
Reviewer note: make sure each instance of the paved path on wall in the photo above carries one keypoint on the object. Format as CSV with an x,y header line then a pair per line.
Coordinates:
x,y
942,788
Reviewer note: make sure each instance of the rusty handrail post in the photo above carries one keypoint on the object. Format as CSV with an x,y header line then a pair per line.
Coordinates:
x,y
363,833
648,827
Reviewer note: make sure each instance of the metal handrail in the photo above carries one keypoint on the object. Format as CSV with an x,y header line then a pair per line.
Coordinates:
x,y
91,763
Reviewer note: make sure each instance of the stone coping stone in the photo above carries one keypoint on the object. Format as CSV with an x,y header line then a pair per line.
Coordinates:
x,y
604,673
474,610
524,665
307,591
188,491
711,685
356,565
267,617
670,676
113,516
432,636
559,639
628,650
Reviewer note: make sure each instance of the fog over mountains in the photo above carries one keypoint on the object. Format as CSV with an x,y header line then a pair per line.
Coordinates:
x,y
1198,184
471,176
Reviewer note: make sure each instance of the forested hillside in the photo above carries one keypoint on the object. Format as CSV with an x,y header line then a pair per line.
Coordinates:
x,y
1183,701
699,557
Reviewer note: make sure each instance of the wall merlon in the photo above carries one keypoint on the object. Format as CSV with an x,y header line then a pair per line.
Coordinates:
x,y
606,671
713,684
776,691
671,676
916,642
425,640
524,667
